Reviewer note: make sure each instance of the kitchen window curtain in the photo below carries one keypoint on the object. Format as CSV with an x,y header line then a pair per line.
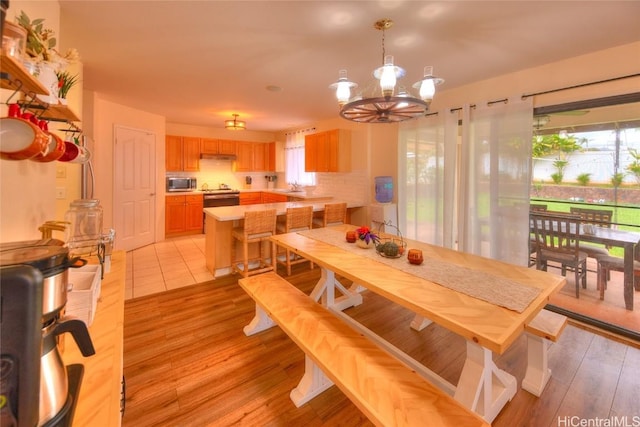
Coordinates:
x,y
469,192
294,159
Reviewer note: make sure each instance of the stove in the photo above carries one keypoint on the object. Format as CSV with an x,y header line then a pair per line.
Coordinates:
x,y
220,191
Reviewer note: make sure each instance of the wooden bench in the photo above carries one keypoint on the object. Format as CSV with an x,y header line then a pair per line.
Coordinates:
x,y
388,392
545,328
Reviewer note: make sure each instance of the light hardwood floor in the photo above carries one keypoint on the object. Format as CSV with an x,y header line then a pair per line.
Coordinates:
x,y
188,363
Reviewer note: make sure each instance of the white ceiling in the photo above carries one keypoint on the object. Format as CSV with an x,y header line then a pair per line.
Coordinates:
x,y
198,62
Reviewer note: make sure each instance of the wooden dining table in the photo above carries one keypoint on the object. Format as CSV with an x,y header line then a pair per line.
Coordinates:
x,y
487,325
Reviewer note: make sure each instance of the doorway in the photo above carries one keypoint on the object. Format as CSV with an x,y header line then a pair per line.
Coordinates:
x,y
134,187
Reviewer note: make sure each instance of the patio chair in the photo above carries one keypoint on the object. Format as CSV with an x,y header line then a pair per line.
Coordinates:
x,y
533,248
599,218
558,240
607,264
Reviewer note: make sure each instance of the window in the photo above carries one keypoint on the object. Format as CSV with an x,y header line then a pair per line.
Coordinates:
x,y
294,159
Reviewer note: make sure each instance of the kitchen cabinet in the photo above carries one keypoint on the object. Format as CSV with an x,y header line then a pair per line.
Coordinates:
x,y
328,151
182,153
274,198
218,146
255,156
250,198
183,214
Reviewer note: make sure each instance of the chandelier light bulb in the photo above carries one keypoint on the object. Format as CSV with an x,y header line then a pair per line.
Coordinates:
x,y
343,87
388,76
427,86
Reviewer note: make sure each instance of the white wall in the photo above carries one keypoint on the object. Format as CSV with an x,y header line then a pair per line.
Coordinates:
x,y
27,189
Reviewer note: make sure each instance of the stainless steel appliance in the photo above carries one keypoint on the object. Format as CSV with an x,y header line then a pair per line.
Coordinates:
x,y
181,184
221,197
37,388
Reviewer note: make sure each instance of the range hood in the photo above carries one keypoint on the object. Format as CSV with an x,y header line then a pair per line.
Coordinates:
x,y
218,156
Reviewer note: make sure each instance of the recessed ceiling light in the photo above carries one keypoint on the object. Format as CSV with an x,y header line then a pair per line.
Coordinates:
x,y
274,88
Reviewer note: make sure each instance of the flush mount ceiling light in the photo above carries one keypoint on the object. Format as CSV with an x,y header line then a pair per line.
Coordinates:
x,y
385,103
235,124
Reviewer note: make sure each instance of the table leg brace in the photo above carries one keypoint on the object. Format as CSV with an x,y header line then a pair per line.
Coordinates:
x,y
313,382
260,322
325,290
483,387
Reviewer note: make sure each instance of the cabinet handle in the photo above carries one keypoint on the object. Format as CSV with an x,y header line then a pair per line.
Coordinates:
x,y
152,194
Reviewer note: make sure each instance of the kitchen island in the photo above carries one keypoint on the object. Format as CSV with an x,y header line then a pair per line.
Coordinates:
x,y
221,220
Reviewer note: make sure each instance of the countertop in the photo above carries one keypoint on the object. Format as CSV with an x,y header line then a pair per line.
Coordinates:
x,y
283,191
100,391
231,213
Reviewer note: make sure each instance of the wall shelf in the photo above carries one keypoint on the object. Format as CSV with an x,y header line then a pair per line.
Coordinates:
x,y
15,77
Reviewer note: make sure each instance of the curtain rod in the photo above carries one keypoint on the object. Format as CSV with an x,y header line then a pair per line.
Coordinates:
x,y
299,131
525,96
497,101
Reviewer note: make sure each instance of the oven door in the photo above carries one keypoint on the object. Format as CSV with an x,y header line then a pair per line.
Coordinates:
x,y
216,200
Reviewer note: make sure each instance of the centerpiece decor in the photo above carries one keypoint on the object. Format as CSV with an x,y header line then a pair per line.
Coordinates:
x,y
366,238
44,61
392,246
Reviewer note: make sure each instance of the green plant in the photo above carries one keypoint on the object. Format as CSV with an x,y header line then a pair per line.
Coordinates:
x,y
65,82
41,41
634,167
557,177
617,178
584,178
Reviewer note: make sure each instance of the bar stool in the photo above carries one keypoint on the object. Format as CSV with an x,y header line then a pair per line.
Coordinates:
x,y
296,219
258,227
334,214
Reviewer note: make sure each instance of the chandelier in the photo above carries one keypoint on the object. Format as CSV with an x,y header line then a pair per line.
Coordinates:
x,y
385,103
235,124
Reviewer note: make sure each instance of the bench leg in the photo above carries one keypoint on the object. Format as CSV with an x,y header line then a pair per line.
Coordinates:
x,y
538,372
420,322
483,387
312,383
260,322
325,291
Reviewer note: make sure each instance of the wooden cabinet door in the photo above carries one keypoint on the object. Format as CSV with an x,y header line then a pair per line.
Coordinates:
x,y
259,158
244,151
193,212
175,208
273,198
322,153
332,150
209,146
311,153
226,146
191,154
250,198
173,153
270,155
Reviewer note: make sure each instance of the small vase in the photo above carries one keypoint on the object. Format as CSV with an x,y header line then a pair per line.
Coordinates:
x,y
364,245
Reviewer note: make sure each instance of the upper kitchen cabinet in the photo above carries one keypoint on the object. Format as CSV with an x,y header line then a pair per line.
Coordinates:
x,y
328,151
255,156
218,146
182,153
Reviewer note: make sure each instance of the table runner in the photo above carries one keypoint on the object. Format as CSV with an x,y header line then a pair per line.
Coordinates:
x,y
487,287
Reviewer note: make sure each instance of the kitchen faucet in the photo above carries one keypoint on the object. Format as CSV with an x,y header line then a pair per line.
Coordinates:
x,y
295,186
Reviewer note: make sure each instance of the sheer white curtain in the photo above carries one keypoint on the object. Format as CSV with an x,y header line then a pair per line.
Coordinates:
x,y
294,159
495,180
427,198
469,192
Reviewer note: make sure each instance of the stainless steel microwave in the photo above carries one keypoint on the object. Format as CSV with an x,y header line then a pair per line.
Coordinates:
x,y
181,184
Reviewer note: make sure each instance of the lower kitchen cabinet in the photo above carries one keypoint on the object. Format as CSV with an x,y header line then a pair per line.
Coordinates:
x,y
183,214
274,198
250,198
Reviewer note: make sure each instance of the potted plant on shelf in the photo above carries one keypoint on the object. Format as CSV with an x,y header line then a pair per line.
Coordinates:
x,y
65,82
366,237
43,59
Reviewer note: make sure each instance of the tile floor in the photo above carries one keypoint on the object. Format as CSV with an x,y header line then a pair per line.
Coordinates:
x,y
166,265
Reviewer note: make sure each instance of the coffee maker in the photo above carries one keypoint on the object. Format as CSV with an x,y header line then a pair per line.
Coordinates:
x,y
36,388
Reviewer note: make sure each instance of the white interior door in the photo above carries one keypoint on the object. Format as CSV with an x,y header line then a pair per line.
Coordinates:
x,y
134,187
